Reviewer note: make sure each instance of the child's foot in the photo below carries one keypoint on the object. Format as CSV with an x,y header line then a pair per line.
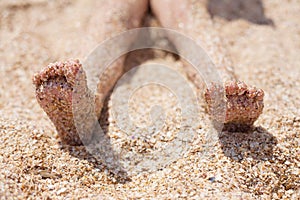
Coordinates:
x,y
54,88
55,84
244,104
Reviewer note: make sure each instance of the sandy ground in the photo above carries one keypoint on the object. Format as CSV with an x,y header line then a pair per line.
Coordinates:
x,y
264,163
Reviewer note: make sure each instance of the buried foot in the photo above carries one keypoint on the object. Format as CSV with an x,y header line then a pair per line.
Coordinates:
x,y
244,104
54,92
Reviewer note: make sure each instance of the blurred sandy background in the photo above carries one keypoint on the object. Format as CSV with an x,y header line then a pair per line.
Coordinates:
x,y
263,38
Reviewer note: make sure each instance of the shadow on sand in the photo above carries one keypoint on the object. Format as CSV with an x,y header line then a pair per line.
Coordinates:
x,y
100,151
250,10
257,143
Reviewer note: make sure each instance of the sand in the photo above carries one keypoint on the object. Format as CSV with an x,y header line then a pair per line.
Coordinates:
x,y
263,163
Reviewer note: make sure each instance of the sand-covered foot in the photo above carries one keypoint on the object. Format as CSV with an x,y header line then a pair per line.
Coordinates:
x,y
54,92
55,84
242,105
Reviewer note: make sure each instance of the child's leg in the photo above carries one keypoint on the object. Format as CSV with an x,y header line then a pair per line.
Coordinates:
x,y
243,104
55,83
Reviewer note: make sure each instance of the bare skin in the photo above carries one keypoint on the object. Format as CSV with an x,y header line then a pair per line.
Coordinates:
x,y
243,103
55,83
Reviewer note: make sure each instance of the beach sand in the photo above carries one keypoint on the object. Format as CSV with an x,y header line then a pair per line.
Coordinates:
x,y
264,163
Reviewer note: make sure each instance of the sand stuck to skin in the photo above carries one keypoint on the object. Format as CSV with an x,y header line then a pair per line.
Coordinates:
x,y
263,163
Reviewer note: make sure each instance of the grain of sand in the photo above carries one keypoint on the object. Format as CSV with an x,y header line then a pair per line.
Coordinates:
x,y
261,164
